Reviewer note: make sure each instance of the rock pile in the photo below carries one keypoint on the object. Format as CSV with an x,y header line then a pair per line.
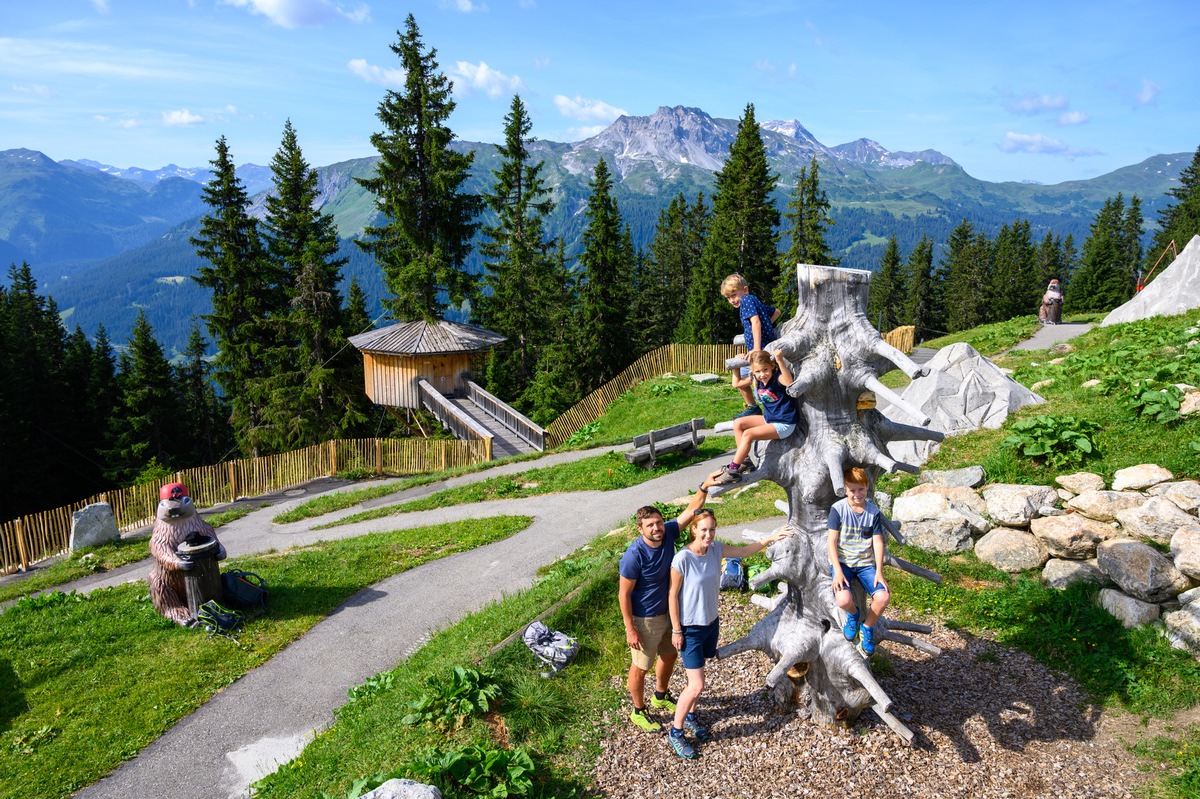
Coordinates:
x,y
1139,538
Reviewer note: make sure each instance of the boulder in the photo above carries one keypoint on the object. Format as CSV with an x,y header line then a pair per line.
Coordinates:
x,y
963,391
1060,573
1064,494
1129,611
1039,385
1185,550
93,525
1141,476
1182,628
706,378
1103,506
932,505
403,789
1185,494
1010,550
960,495
1191,400
1189,596
1079,482
1071,536
883,501
1174,291
943,536
1014,505
1156,520
970,477
1089,383
1140,570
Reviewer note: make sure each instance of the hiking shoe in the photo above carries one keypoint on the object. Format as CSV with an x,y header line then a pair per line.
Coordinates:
x,y
866,641
749,410
666,703
641,719
680,745
728,476
850,628
694,729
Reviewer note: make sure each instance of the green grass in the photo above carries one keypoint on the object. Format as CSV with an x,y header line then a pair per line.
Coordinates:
x,y
1181,757
96,560
605,472
990,339
88,681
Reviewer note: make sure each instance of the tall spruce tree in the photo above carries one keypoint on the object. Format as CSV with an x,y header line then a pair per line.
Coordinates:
x,y
520,273
1178,222
248,299
604,345
885,305
428,221
558,385
147,427
1014,289
674,255
743,238
918,297
807,218
1099,284
310,393
1130,247
963,304
204,414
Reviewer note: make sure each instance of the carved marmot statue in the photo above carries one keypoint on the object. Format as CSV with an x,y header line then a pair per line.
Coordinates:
x,y
177,521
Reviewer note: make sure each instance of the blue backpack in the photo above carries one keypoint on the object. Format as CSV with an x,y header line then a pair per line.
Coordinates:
x,y
733,574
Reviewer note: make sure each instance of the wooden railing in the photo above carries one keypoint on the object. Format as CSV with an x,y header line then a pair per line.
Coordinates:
x,y
510,417
668,358
37,536
462,426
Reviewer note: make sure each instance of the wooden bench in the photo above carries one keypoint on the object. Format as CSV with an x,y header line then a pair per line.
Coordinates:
x,y
677,438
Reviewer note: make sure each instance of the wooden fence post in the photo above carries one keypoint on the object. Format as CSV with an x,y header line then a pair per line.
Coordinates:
x,y
22,549
379,456
232,481
332,458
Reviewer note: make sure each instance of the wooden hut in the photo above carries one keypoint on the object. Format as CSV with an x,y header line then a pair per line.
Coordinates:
x,y
397,357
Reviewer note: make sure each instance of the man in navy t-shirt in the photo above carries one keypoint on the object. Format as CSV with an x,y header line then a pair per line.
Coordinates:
x,y
645,582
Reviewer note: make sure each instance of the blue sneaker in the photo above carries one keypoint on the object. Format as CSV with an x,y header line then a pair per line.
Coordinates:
x,y
692,726
749,410
680,745
866,641
850,628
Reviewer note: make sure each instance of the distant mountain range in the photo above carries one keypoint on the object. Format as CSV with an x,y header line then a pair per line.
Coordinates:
x,y
105,241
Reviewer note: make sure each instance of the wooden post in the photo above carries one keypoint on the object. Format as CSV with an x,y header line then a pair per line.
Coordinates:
x,y
232,481
379,456
22,547
332,458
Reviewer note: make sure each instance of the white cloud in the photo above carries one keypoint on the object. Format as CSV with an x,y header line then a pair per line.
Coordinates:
x,y
231,109
1149,92
301,13
470,77
99,117
1030,103
101,6
129,123
587,110
541,63
33,88
391,78
527,4
1073,118
182,118
1040,144
586,132
465,6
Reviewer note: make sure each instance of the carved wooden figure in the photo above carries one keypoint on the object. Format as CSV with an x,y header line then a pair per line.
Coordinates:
x,y
837,358
176,521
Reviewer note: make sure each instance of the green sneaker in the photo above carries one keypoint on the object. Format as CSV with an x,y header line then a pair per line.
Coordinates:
x,y
666,703
641,718
692,726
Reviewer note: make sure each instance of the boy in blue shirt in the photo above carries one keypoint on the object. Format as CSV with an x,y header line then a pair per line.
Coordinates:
x,y
856,552
758,328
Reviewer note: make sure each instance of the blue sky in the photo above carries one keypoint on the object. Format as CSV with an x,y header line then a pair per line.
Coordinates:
x,y
1050,91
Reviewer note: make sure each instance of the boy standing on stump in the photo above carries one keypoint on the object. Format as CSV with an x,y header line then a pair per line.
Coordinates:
x,y
758,329
856,552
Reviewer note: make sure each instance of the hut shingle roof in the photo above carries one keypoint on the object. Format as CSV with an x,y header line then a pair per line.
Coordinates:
x,y
424,338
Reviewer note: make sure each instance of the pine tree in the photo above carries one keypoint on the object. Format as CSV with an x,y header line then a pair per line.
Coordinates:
x,y
807,218
207,437
145,429
604,345
669,265
1099,282
1130,248
520,274
427,226
918,279
742,238
1178,222
557,385
885,306
247,298
1014,290
965,307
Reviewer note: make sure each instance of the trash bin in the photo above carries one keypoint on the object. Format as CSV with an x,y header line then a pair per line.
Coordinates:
x,y
203,580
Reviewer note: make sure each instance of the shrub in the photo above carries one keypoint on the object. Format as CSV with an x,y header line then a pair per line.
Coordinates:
x,y
1056,440
467,692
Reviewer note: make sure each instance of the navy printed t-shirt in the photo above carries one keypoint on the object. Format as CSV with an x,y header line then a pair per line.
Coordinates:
x,y
778,405
753,306
651,568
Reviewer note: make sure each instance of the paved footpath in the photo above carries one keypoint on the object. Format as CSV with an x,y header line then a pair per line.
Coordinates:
x,y
1049,335
264,719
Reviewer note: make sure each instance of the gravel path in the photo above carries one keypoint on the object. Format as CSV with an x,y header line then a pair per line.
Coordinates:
x,y
989,722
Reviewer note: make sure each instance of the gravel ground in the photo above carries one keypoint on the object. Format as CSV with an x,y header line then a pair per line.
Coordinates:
x,y
989,722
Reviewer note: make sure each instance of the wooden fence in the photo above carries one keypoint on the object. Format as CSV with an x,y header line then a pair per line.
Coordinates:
x,y
41,535
669,358
902,338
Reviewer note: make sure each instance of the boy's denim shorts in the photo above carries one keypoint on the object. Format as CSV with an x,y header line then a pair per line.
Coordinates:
x,y
699,642
865,576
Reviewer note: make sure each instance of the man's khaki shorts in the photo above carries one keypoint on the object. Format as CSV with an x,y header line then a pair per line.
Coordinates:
x,y
655,632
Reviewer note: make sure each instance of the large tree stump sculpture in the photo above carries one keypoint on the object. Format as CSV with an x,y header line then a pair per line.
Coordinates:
x,y
837,358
